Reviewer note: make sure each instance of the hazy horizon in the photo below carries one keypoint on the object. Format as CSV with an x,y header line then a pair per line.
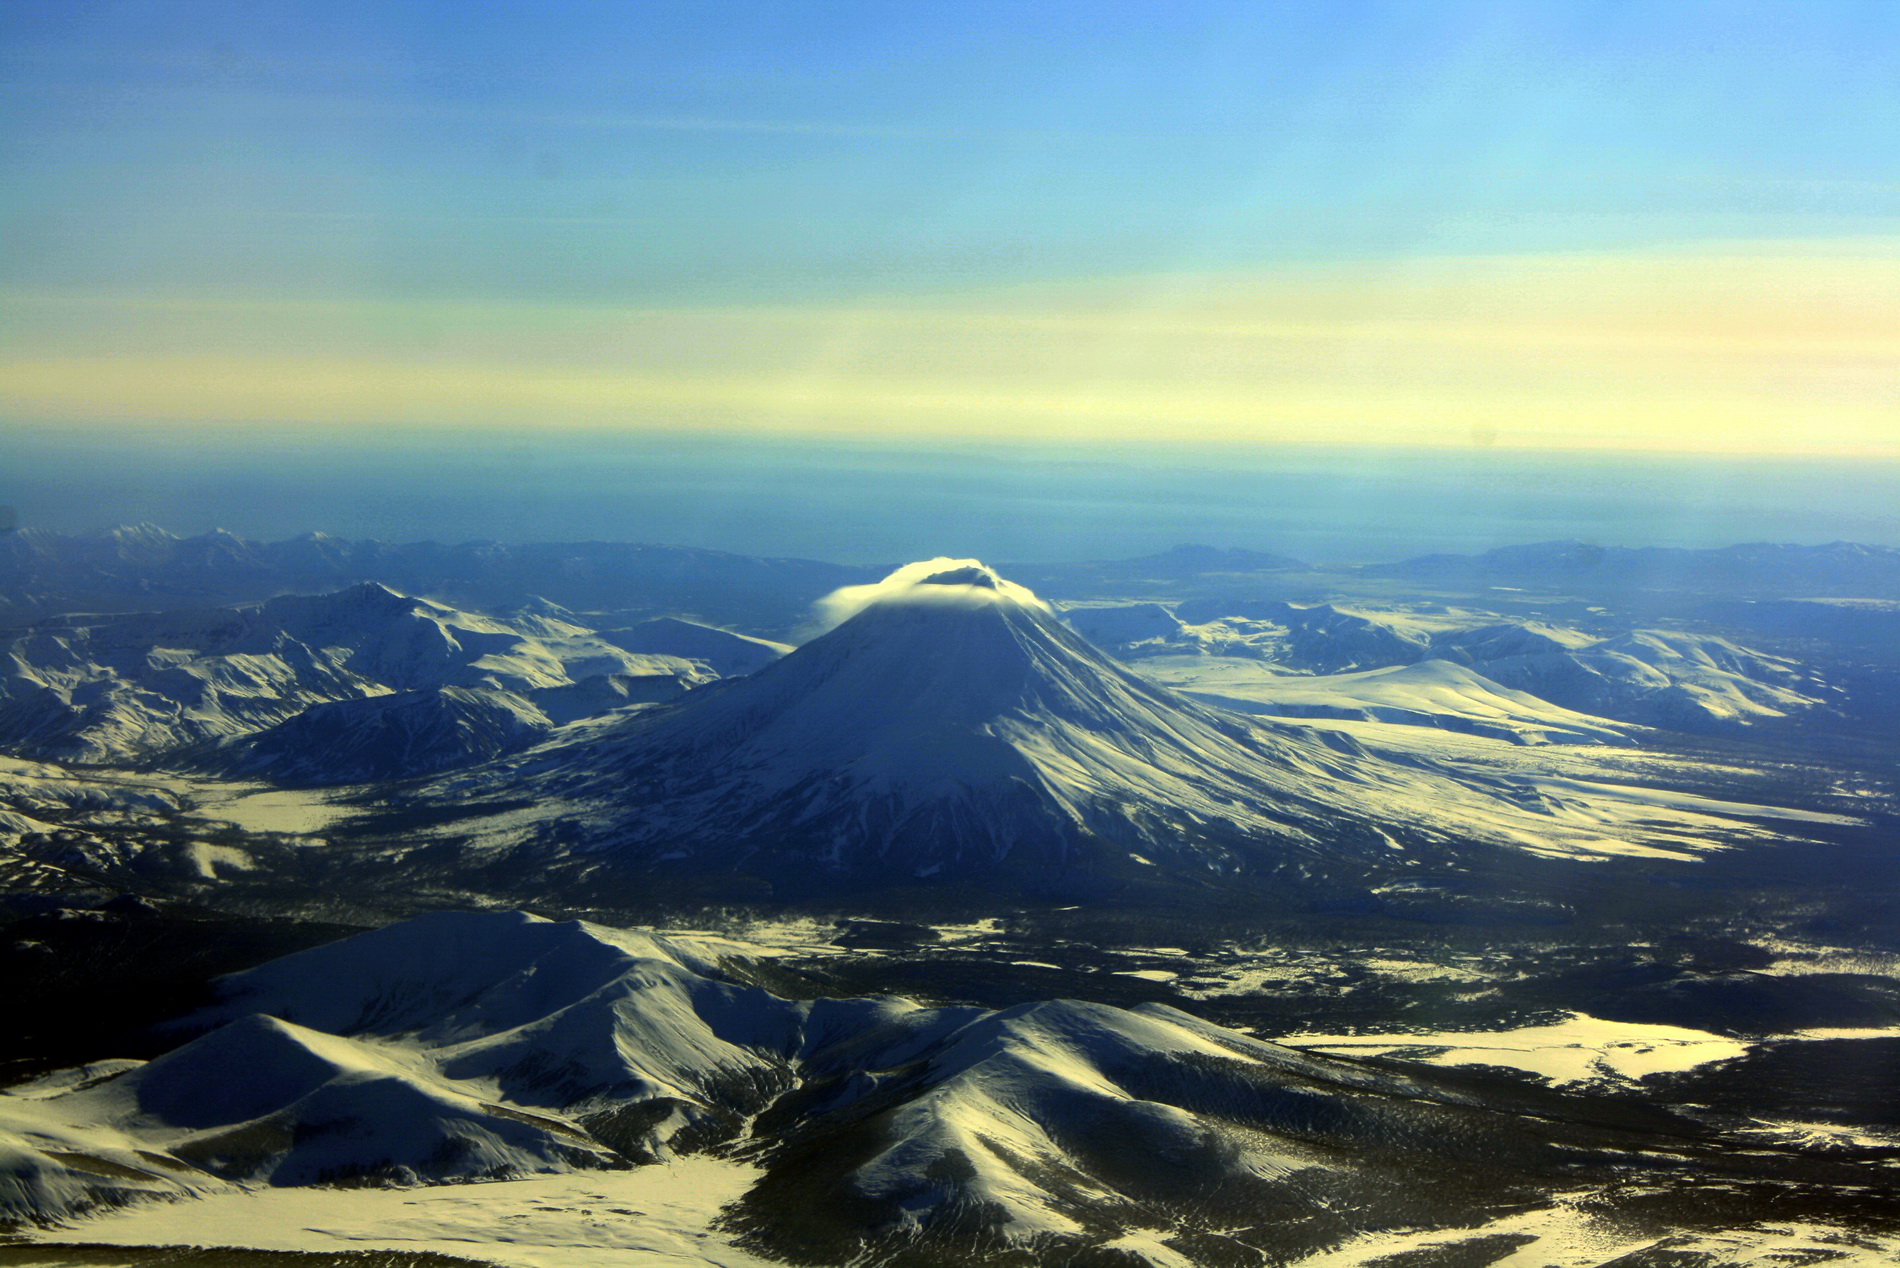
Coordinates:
x,y
870,282
878,504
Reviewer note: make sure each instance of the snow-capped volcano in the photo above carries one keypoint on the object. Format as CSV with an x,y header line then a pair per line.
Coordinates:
x,y
950,723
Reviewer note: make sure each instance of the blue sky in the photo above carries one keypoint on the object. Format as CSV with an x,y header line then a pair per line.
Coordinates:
x,y
340,192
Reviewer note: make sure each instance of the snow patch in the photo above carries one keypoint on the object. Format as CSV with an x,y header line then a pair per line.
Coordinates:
x,y
646,1218
1579,1049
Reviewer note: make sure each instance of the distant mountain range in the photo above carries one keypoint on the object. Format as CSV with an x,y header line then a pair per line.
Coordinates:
x,y
360,684
1169,568
1837,569
143,567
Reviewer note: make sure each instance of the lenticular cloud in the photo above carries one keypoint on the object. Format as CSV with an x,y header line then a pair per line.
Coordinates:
x,y
943,580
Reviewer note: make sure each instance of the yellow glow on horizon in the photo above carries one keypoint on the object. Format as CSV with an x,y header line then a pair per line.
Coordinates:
x,y
1751,348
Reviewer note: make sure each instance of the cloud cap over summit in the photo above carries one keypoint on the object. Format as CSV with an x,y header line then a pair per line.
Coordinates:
x,y
942,581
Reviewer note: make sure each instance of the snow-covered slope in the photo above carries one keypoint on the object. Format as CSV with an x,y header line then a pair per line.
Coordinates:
x,y
605,693
1684,681
462,1046
448,1047
395,736
105,689
1320,638
726,653
953,725
1432,693
543,618
78,831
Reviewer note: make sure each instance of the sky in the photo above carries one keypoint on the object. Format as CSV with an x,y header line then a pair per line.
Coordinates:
x,y
1603,225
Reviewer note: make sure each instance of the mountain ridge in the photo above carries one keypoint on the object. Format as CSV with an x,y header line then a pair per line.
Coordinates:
x,y
141,567
142,686
1832,569
463,1046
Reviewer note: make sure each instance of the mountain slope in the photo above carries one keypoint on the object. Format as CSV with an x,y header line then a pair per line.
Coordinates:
x,y
395,736
486,1045
1674,679
1431,693
1685,681
76,832
120,688
953,725
726,653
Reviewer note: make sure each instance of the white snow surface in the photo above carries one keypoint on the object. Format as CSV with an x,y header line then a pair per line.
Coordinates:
x,y
86,809
298,811
652,1217
458,1046
1578,1049
1432,693
1568,1234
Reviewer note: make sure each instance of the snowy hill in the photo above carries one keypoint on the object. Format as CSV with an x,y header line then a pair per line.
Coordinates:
x,y
68,831
118,688
395,736
1665,678
486,1046
952,725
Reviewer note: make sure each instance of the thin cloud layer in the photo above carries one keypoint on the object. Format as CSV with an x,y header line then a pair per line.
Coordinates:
x,y
1758,348
939,582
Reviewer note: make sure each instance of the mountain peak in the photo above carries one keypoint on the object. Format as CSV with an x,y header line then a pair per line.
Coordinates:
x,y
369,593
536,605
973,575
939,582
143,531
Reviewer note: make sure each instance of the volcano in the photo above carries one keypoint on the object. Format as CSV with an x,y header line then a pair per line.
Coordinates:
x,y
950,725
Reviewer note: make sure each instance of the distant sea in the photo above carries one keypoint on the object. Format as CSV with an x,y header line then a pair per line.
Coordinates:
x,y
879,502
